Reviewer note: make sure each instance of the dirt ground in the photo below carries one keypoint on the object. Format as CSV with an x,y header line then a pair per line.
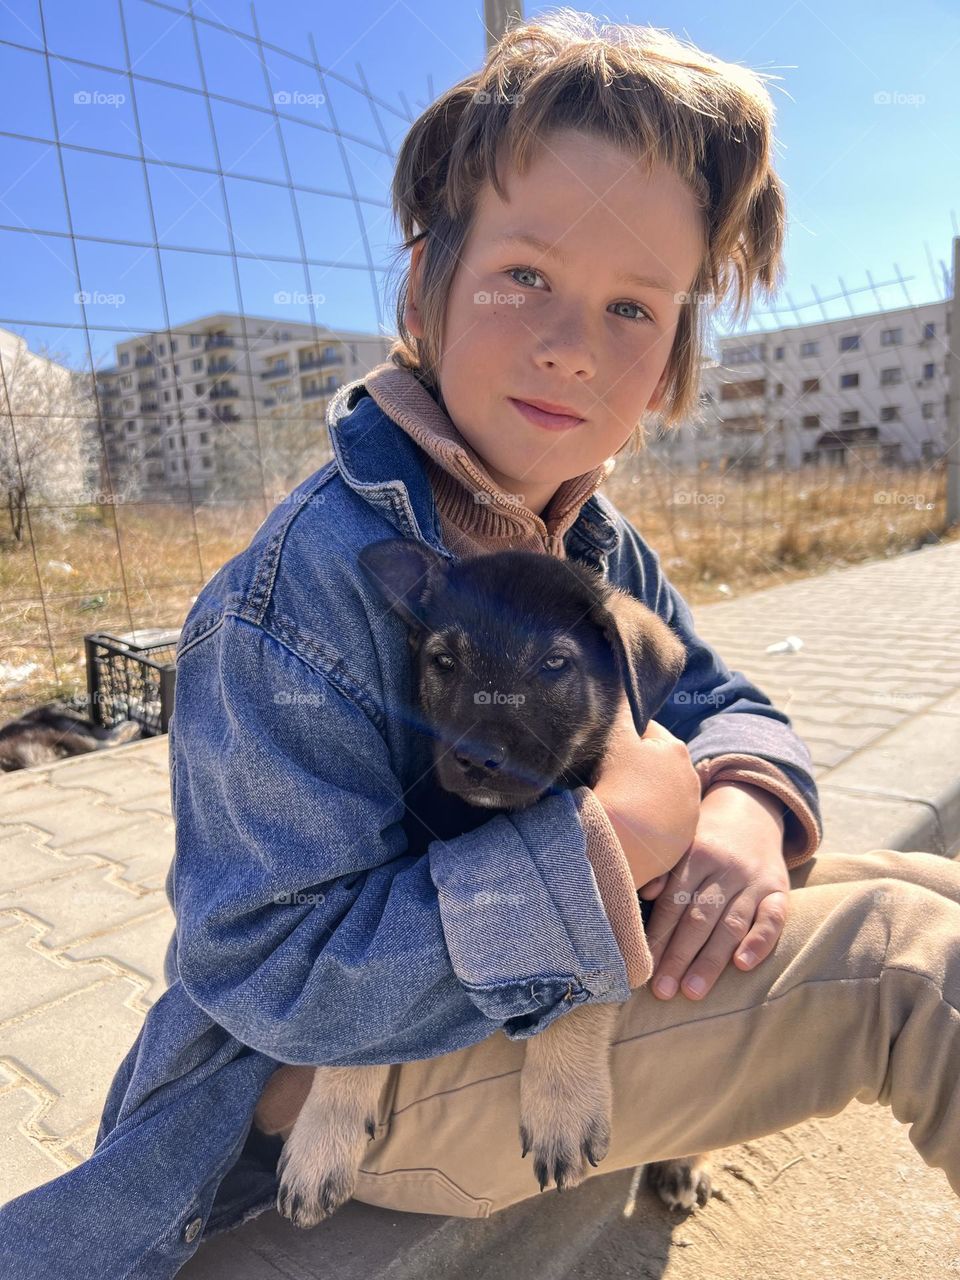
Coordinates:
x,y
843,1196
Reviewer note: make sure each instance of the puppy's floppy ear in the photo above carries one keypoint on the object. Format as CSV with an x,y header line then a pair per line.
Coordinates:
x,y
407,574
649,655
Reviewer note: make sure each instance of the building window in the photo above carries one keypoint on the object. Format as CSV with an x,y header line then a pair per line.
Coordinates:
x,y
126,380
888,377
889,413
779,389
811,421
891,337
928,371
850,342
850,418
927,409
201,414
166,397
195,339
196,365
809,348
161,349
124,357
778,353
809,385
745,355
929,330
204,437
729,390
198,389
206,462
849,380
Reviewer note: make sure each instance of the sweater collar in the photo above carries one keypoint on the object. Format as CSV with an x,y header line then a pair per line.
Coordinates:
x,y
388,472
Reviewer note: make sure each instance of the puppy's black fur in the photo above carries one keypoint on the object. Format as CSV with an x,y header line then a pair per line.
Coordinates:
x,y
521,662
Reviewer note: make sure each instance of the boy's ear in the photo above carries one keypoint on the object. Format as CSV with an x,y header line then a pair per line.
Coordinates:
x,y
406,573
411,312
657,397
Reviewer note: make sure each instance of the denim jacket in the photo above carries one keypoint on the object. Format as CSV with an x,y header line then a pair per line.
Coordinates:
x,y
304,932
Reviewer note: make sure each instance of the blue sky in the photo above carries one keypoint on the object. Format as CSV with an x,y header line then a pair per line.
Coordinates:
x,y
871,180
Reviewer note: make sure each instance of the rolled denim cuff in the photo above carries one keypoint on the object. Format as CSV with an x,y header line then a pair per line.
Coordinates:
x,y
523,918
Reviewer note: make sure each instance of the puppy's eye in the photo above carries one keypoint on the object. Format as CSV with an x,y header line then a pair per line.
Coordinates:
x,y
444,661
556,663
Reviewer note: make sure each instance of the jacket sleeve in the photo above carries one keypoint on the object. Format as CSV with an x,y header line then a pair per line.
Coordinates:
x,y
718,712
303,926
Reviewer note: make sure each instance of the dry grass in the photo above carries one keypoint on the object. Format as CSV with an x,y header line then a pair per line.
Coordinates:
x,y
141,566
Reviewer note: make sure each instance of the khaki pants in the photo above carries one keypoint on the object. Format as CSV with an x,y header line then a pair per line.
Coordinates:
x,y
859,1000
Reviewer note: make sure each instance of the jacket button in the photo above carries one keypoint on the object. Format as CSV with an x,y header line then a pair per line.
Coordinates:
x,y
193,1230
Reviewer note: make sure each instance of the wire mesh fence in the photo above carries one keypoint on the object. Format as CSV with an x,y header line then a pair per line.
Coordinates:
x,y
193,232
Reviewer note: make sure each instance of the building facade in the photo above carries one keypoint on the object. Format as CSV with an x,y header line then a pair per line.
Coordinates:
x,y
187,413
872,387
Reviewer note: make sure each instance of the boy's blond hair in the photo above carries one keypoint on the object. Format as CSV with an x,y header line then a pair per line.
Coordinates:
x,y
638,87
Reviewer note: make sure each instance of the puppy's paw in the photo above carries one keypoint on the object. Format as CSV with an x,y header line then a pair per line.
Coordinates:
x,y
318,1168
681,1184
563,1129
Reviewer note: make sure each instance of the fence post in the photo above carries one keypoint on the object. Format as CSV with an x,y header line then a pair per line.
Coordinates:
x,y
496,15
953,385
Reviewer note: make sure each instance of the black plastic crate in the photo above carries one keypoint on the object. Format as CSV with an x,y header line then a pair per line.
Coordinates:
x,y
132,677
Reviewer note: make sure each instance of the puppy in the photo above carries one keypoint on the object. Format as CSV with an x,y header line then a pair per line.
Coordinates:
x,y
53,732
520,664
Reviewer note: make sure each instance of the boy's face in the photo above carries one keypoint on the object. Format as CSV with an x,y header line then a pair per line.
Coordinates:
x,y
519,325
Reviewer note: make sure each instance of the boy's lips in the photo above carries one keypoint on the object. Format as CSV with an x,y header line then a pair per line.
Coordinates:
x,y
554,419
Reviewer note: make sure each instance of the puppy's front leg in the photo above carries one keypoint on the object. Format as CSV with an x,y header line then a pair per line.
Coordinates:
x,y
320,1158
566,1095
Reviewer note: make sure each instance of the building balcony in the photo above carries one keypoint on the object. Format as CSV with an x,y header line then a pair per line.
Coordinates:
x,y
224,391
220,366
277,371
314,393
225,416
149,406
145,359
217,340
319,362
149,384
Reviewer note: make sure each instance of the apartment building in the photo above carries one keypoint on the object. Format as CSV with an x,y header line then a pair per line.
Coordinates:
x,y
183,410
872,387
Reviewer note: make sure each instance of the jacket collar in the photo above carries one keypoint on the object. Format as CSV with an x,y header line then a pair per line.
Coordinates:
x,y
392,478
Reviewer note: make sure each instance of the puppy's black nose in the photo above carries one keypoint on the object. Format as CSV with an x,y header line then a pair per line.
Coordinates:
x,y
487,756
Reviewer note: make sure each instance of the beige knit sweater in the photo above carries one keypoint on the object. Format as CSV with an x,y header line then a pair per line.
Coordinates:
x,y
476,517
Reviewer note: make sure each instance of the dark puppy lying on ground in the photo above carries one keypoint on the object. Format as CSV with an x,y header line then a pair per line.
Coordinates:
x,y
520,665
53,732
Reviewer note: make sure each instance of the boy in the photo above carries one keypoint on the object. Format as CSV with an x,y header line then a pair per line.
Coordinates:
x,y
305,934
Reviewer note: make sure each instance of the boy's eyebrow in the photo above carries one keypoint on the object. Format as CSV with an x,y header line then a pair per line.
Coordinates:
x,y
551,251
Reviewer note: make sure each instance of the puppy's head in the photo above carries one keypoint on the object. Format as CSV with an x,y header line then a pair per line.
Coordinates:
x,y
521,661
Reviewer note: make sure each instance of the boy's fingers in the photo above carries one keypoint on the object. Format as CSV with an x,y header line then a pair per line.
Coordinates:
x,y
766,929
654,887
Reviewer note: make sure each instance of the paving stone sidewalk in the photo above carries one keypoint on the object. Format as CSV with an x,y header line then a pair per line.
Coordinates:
x,y
85,846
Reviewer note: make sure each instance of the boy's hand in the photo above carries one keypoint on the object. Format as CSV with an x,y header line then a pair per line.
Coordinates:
x,y
651,793
728,894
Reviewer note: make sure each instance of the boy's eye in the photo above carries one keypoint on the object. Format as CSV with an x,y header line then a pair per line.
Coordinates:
x,y
555,663
444,661
645,315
